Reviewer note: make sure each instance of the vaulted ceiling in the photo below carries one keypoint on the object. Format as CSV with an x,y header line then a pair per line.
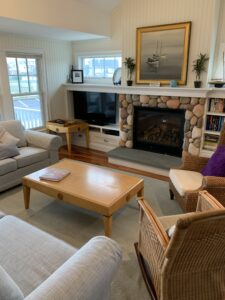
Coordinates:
x,y
91,18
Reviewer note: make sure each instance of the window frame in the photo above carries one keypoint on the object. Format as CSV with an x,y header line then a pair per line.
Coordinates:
x,y
7,111
82,56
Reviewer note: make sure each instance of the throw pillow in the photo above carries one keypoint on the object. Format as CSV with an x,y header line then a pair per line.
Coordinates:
x,y
7,151
216,164
9,290
7,138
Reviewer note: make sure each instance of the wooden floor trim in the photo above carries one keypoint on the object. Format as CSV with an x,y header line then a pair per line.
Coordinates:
x,y
100,158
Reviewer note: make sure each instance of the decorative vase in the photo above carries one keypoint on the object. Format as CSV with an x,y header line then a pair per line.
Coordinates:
x,y
129,82
197,84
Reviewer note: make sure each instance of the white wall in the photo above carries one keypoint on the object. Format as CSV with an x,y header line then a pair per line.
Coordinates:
x,y
67,14
139,13
114,43
58,59
220,45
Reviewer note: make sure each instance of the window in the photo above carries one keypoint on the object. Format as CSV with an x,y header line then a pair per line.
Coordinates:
x,y
24,83
100,66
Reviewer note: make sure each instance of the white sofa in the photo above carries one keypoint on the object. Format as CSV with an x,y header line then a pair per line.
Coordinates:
x,y
37,266
36,150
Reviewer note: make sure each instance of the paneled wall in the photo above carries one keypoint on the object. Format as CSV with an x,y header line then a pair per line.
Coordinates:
x,y
139,13
57,58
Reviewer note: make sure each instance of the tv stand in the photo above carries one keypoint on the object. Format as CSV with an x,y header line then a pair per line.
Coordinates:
x,y
104,138
101,137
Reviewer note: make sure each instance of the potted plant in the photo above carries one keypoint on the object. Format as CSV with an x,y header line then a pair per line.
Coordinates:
x,y
199,66
130,65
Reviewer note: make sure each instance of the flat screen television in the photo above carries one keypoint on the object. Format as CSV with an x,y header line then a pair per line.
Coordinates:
x,y
95,107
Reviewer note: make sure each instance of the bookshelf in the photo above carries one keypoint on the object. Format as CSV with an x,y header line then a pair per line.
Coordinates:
x,y
214,119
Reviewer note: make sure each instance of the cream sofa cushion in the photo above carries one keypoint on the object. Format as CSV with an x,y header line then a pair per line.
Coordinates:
x,y
30,155
7,165
28,254
9,290
185,181
7,151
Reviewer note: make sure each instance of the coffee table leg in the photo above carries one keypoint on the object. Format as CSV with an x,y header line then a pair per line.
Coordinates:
x,y
26,195
108,225
140,193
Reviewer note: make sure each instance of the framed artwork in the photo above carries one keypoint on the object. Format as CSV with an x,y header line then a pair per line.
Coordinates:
x,y
77,76
162,53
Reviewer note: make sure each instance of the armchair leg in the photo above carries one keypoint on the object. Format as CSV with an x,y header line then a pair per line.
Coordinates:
x,y
171,195
145,274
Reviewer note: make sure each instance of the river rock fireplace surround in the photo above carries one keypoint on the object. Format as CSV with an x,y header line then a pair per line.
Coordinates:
x,y
194,112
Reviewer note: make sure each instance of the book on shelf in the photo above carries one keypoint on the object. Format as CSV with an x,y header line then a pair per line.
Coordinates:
x,y
214,123
210,142
211,138
209,147
54,174
216,105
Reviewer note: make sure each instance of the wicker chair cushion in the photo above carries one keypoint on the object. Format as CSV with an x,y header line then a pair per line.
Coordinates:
x,y
169,222
185,181
216,164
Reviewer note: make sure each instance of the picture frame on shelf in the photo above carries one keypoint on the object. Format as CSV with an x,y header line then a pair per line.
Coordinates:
x,y
77,76
162,53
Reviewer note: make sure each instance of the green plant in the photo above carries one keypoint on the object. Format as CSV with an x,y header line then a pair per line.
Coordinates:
x,y
199,65
130,65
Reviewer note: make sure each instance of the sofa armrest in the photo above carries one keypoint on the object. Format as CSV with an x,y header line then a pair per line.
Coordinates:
x,y
86,275
43,140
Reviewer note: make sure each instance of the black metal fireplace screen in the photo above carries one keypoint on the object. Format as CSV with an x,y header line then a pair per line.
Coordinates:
x,y
159,130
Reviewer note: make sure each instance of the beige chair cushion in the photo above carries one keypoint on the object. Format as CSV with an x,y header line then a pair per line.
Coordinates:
x,y
169,222
185,181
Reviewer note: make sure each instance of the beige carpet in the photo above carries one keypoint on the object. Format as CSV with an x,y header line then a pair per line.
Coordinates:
x,y
76,226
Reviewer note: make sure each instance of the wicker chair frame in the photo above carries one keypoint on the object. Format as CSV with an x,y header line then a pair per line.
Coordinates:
x,y
214,185
190,265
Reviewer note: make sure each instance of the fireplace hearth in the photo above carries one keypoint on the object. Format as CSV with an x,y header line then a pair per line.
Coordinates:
x,y
159,130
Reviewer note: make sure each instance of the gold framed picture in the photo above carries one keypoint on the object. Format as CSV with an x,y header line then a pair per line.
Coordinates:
x,y
162,53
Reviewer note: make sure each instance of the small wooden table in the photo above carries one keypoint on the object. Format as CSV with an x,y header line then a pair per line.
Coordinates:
x,y
94,188
68,129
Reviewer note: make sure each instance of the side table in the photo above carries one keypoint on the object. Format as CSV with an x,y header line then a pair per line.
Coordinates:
x,y
68,129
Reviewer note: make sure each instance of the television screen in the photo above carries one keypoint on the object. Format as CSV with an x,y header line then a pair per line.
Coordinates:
x,y
94,107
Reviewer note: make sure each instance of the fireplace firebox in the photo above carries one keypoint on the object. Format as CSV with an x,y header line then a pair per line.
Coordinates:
x,y
159,130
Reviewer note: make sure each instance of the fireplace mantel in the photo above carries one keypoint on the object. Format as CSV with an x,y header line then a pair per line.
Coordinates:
x,y
148,90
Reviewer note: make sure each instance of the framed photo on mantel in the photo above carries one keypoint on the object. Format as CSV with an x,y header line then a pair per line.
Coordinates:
x,y
77,76
162,53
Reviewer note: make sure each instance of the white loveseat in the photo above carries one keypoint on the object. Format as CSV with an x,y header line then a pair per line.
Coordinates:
x,y
34,265
36,150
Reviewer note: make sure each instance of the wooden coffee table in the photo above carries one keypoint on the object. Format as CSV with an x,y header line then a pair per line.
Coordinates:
x,y
88,186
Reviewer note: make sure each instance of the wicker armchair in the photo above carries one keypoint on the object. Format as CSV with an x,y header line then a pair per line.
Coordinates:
x,y
190,264
187,181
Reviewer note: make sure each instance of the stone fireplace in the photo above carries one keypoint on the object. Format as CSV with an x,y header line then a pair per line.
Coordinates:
x,y
158,129
192,128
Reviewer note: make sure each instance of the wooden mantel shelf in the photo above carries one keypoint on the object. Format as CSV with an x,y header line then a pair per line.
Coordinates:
x,y
148,90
